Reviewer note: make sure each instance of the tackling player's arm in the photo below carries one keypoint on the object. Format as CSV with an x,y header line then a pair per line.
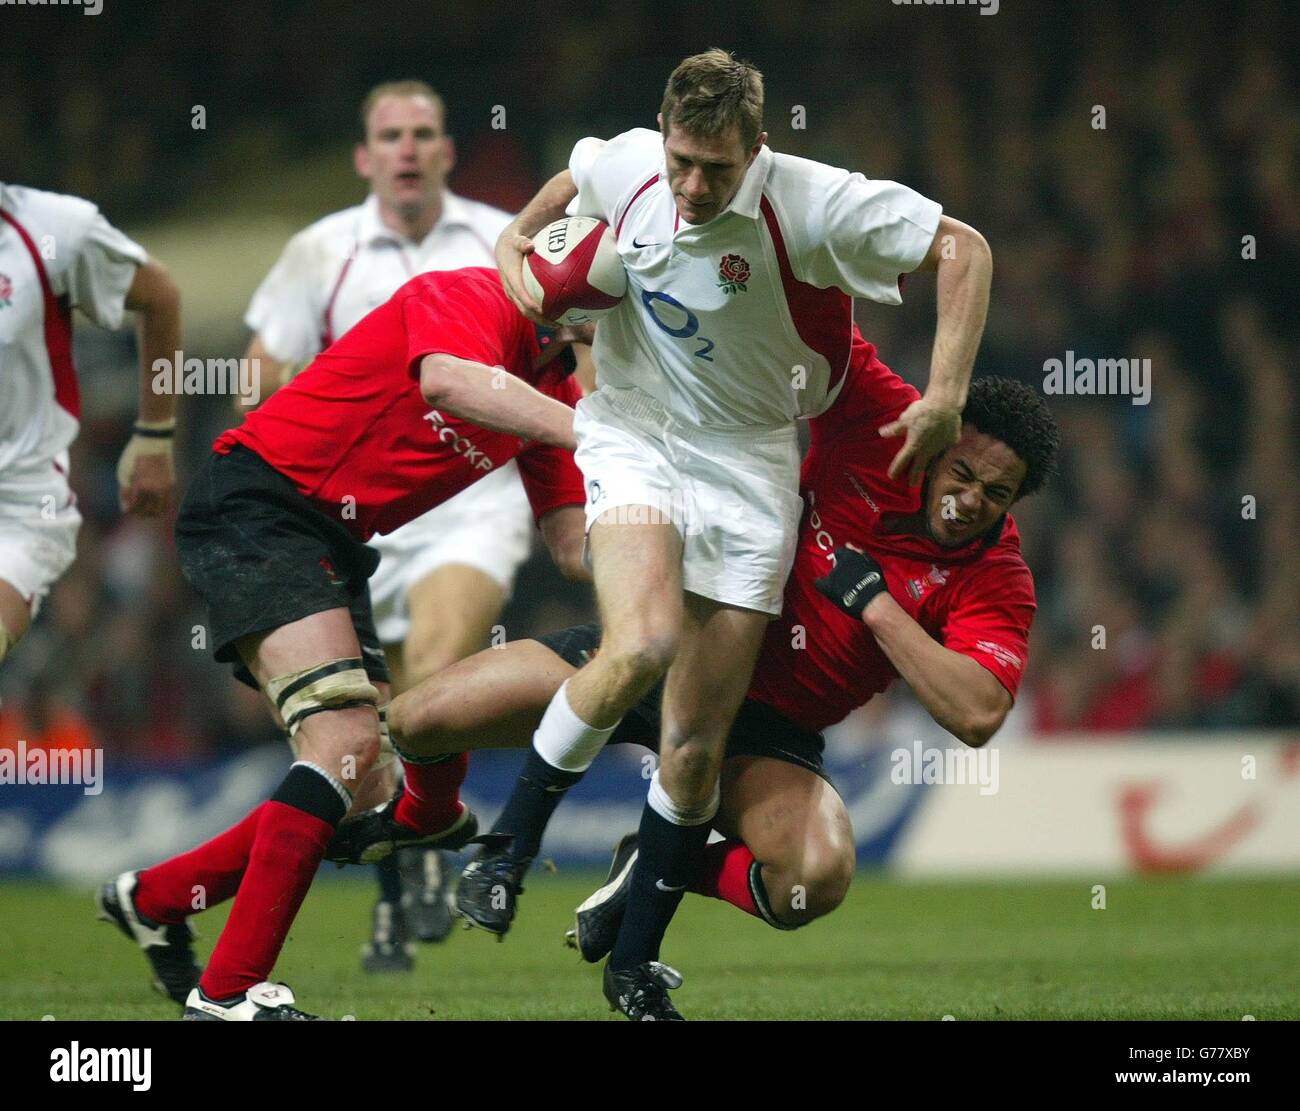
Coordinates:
x,y
492,397
963,266
555,490
959,693
146,475
565,533
516,240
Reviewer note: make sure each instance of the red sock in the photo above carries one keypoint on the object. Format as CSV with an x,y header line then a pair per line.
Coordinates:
x,y
287,850
206,876
725,875
431,794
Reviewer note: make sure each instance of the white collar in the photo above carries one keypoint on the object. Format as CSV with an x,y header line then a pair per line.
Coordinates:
x,y
750,194
748,197
371,227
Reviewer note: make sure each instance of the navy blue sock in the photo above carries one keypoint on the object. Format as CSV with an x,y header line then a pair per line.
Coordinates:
x,y
390,880
537,793
668,858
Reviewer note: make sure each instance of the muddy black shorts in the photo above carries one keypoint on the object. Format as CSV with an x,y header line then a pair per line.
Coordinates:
x,y
759,730
261,555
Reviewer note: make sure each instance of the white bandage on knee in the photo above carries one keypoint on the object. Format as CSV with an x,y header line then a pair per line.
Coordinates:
x,y
664,806
333,685
564,740
387,750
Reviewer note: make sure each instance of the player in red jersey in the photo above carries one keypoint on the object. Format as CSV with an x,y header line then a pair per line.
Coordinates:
x,y
431,391
936,592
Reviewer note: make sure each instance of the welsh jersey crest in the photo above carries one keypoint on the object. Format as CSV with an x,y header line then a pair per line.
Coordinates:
x,y
6,291
733,273
936,577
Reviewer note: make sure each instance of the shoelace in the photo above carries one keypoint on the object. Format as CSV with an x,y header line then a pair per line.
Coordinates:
x,y
295,1015
651,990
647,997
506,868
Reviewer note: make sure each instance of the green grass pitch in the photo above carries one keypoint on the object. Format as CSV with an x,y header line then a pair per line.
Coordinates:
x,y
1162,949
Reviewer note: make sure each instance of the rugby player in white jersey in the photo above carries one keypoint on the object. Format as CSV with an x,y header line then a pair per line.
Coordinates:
x,y
742,265
58,253
444,577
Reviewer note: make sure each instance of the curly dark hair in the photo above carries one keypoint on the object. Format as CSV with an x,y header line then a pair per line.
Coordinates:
x,y
1017,415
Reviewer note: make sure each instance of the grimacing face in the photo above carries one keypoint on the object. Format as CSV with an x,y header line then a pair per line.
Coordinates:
x,y
970,486
705,171
407,153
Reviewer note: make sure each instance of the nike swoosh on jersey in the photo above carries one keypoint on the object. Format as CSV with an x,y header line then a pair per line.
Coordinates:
x,y
652,243
664,887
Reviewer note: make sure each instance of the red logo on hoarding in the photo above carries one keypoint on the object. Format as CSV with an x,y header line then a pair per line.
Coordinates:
x,y
1148,856
1135,806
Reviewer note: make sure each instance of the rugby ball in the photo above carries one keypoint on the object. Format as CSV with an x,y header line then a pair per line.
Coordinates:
x,y
574,271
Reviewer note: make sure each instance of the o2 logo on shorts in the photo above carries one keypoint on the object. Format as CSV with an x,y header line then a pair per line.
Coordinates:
x,y
594,491
685,328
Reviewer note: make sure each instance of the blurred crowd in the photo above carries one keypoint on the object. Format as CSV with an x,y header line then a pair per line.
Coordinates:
x,y
1135,169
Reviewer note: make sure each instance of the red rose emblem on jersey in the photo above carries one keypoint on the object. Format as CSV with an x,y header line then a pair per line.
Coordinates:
x,y
733,273
6,291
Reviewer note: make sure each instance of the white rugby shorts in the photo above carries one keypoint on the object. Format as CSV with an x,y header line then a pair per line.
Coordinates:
x,y
488,526
733,494
38,526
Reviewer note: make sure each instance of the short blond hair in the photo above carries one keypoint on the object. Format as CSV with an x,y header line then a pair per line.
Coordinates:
x,y
410,87
711,93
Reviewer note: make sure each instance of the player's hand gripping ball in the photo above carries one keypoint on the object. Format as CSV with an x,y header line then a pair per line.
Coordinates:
x,y
574,271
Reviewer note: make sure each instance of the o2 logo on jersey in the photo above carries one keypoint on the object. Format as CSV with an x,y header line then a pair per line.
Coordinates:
x,y
684,326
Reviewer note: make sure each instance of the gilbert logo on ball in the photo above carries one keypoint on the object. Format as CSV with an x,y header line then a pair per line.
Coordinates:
x,y
574,270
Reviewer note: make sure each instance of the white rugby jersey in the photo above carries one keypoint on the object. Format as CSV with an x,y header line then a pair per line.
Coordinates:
x,y
335,271
56,252
744,320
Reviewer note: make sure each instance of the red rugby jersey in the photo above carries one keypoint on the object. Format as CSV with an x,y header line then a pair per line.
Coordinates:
x,y
817,663
353,424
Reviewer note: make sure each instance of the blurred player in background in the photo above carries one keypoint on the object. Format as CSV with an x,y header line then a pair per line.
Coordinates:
x,y
444,578
742,267
58,253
